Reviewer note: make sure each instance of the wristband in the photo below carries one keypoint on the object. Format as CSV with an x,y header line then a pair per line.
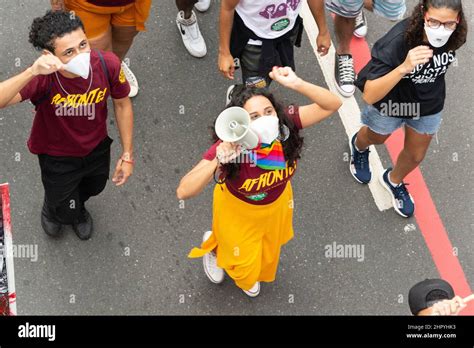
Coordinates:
x,y
127,161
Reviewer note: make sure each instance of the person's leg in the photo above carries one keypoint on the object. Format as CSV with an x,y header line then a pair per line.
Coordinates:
x,y
96,21
366,137
97,171
188,27
369,5
60,177
126,23
250,65
344,27
122,39
103,41
344,24
186,6
375,130
415,147
96,167
418,135
414,150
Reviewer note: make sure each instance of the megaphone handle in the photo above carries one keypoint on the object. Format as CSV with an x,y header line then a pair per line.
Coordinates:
x,y
469,298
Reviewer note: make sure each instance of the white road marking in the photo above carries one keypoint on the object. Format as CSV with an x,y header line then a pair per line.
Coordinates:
x,y
349,112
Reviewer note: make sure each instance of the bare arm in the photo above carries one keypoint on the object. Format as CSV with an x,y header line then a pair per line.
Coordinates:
x,y
226,61
323,41
325,102
124,116
10,89
377,89
197,178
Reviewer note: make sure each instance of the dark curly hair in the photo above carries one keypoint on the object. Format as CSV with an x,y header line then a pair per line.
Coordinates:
x,y
291,147
51,26
415,30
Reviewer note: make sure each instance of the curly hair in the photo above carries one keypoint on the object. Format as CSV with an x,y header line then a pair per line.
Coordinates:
x,y
51,26
291,147
415,30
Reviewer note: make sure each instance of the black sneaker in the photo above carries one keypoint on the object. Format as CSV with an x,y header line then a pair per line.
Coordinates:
x,y
359,164
83,227
403,202
360,29
51,227
345,74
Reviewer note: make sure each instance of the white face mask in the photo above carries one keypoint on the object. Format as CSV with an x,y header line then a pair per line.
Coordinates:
x,y
266,128
80,65
438,37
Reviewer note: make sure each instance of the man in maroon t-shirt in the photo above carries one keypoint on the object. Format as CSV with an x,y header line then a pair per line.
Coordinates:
x,y
69,86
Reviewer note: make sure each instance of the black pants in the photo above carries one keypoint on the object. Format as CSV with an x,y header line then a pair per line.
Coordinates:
x,y
250,62
70,181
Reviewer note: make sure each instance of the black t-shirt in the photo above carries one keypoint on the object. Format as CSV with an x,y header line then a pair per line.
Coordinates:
x,y
420,93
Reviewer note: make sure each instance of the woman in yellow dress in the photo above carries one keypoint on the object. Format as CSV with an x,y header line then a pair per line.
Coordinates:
x,y
253,198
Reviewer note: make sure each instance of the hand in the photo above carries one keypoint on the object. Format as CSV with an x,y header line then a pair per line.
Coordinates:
x,y
226,65
123,170
449,307
58,5
323,42
226,152
46,64
285,76
416,56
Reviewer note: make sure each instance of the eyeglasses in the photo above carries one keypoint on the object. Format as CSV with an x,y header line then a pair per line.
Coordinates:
x,y
435,24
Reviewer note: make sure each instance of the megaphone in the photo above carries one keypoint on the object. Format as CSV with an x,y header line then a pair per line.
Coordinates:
x,y
233,126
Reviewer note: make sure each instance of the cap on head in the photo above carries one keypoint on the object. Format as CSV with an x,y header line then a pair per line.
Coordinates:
x,y
427,292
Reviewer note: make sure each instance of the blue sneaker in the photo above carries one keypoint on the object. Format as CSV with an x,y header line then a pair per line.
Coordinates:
x,y
359,164
403,202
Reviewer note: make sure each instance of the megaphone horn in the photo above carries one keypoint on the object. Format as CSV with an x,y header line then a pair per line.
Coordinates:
x,y
233,126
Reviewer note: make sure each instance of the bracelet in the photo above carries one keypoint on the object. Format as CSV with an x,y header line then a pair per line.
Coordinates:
x,y
127,161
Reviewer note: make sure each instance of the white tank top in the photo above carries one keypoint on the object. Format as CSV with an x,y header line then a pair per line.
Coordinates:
x,y
269,19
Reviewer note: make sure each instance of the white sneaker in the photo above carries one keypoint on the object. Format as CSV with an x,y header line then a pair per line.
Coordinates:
x,y
203,5
132,80
209,261
191,35
360,25
254,291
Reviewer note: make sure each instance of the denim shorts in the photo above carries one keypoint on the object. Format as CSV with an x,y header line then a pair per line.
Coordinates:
x,y
385,125
390,9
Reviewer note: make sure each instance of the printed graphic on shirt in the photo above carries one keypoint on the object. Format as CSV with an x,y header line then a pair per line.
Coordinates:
x,y
434,69
78,104
92,97
280,12
122,77
265,182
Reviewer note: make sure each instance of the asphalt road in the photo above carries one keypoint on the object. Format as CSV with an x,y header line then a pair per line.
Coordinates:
x,y
137,263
